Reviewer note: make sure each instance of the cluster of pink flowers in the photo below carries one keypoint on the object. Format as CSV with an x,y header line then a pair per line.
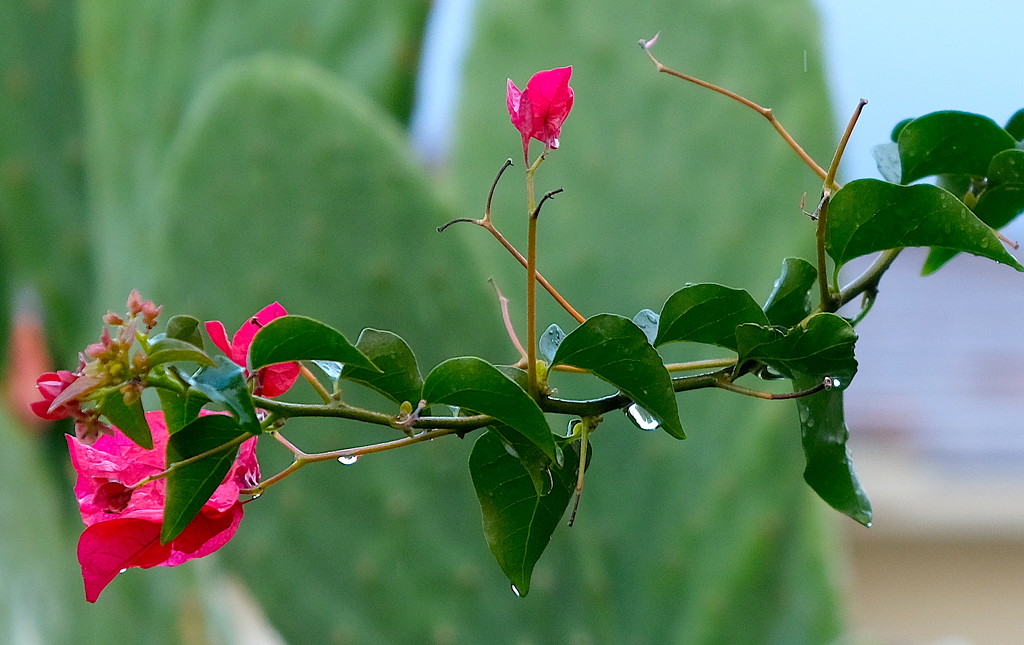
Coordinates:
x,y
123,523
122,509
106,363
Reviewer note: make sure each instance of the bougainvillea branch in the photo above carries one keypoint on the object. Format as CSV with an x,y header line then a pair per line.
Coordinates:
x,y
164,486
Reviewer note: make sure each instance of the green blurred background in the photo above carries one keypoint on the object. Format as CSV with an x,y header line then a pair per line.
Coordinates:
x,y
222,154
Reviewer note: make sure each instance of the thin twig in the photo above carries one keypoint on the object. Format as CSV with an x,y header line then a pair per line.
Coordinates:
x,y
830,301
767,113
772,396
488,224
509,328
315,383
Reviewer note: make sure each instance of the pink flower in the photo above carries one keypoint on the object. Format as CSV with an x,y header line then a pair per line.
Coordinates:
x,y
123,524
270,381
539,111
61,393
51,385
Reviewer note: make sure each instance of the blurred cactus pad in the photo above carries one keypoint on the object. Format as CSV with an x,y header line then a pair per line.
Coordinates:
x,y
224,154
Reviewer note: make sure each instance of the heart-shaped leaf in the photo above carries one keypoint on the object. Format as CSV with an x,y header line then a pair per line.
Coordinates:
x,y
950,143
518,517
869,215
707,313
616,350
476,385
298,338
189,487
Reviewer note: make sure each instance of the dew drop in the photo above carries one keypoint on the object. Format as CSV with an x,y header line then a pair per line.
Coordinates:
x,y
510,450
455,410
123,570
256,496
641,418
868,524
515,590
832,383
348,460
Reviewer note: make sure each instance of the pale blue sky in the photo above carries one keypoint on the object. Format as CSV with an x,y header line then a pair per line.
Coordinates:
x,y
909,58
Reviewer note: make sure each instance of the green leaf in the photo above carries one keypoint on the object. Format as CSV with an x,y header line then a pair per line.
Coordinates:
x,y
397,377
185,328
829,470
226,384
1015,126
707,313
298,338
190,487
824,346
170,350
950,143
887,160
475,384
613,348
898,128
519,518
647,321
129,419
790,299
179,411
869,215
1000,201
549,342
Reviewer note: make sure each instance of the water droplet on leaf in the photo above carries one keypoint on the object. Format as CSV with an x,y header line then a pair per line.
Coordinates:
x,y
833,383
348,460
641,418
515,590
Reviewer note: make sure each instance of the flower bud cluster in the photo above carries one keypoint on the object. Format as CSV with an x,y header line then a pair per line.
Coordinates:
x,y
108,363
